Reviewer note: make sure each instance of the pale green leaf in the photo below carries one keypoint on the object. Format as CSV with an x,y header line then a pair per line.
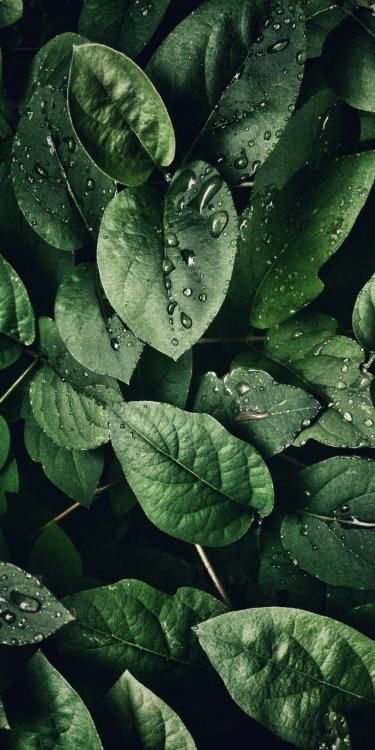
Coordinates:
x,y
364,316
16,313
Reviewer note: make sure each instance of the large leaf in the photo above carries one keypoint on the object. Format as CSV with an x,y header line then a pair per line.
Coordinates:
x,y
29,612
16,313
301,675
287,236
349,61
329,365
61,193
364,316
104,344
55,716
68,402
266,413
139,719
192,478
159,378
118,115
165,264
239,70
329,526
130,625
126,25
10,12
76,473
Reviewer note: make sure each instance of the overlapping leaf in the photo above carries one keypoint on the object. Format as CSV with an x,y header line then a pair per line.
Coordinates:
x,y
161,379
10,12
364,316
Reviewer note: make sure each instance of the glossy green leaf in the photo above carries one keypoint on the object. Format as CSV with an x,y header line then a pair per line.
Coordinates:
x,y
349,61
306,223
130,625
126,25
165,265
321,17
56,559
161,379
180,467
55,716
76,473
331,366
61,193
104,344
266,413
29,611
329,526
364,316
299,674
138,718
16,313
10,12
230,74
118,115
68,402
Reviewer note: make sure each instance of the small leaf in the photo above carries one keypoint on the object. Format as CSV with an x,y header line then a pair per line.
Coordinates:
x,y
104,344
56,559
165,265
130,625
118,115
126,25
16,313
4,441
349,63
138,718
299,674
329,526
55,716
364,316
250,402
68,402
10,12
29,613
161,379
192,478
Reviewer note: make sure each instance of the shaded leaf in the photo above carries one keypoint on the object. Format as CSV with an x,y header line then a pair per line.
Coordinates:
x,y
10,12
161,379
16,313
9,482
364,316
56,559
362,618
4,441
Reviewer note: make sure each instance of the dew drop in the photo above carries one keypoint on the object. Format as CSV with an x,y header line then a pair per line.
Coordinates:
x,y
24,602
171,240
278,46
115,344
217,223
347,416
171,307
41,171
186,321
202,297
168,266
90,184
187,292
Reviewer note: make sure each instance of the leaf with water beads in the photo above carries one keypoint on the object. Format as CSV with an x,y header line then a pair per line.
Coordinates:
x,y
29,613
256,407
329,525
239,70
364,316
10,12
165,263
104,344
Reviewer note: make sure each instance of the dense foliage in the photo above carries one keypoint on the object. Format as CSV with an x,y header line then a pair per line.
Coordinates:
x,y
187,349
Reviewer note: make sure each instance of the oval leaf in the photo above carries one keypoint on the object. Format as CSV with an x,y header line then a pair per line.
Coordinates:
x,y
16,314
349,61
364,316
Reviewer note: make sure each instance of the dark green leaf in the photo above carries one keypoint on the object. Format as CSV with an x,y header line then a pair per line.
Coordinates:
x,y
321,17
16,314
161,379
9,482
181,468
165,265
364,316
56,559
4,441
362,618
10,12
104,344
118,115
295,672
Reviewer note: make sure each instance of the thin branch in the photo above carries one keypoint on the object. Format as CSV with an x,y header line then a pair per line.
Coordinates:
x,y
291,460
214,578
369,362
19,380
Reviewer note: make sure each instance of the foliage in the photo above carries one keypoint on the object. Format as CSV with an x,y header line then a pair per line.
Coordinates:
x,y
187,352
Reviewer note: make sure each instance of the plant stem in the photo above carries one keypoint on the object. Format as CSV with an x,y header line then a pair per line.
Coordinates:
x,y
370,362
19,380
214,578
231,339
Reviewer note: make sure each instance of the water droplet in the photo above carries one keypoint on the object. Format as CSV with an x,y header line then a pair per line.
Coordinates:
x,y
171,239
347,416
243,388
168,266
344,508
278,46
242,161
202,297
115,344
41,171
207,192
187,292
217,223
38,637
174,342
90,184
301,57
24,602
369,422
70,142
186,321
171,307
188,256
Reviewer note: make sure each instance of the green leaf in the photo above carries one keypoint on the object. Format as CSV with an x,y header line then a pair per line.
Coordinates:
x,y
364,316
266,413
9,482
138,718
165,265
192,478
10,12
130,625
330,366
362,618
294,672
329,525
104,344
161,379
56,559
68,402
118,115
307,222
10,351
76,473
323,126
230,74
29,612
55,715
4,441
61,193
349,61
16,313
321,17
126,25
